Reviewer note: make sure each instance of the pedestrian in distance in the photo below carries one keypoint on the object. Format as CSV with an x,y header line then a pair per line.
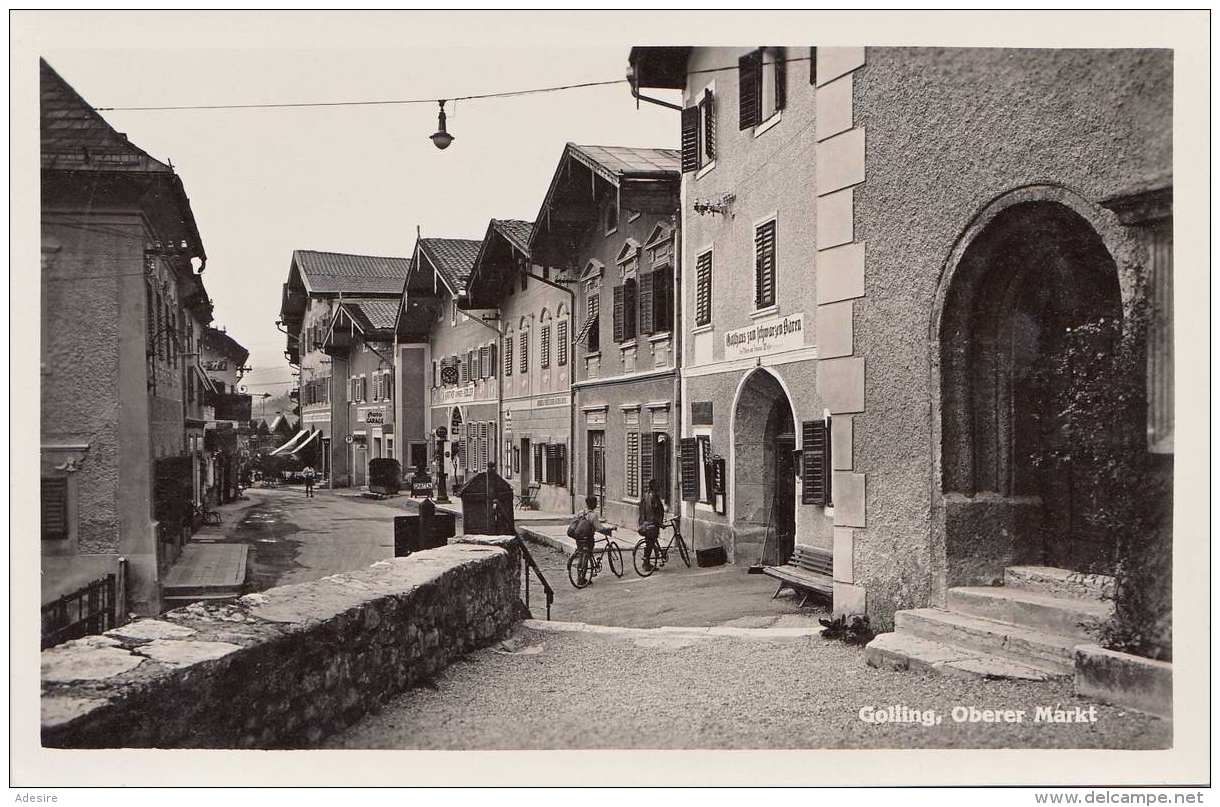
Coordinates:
x,y
651,514
308,473
583,527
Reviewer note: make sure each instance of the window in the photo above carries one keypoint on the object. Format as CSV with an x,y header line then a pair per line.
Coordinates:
x,y
611,216
764,265
816,471
762,85
508,354
561,340
699,133
656,301
525,351
484,361
464,369
364,388
593,340
544,357
556,464
625,311
703,289
54,508
536,462
631,484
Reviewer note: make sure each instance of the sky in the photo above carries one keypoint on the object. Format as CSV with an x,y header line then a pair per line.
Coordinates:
x,y
352,179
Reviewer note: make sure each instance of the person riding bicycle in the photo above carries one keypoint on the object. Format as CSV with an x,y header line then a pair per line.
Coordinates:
x,y
651,514
583,527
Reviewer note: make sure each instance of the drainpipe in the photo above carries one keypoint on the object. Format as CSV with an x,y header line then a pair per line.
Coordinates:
x,y
675,443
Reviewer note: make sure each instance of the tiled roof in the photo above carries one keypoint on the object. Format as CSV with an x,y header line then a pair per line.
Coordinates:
x,y
225,343
452,257
516,231
73,135
333,272
620,161
377,315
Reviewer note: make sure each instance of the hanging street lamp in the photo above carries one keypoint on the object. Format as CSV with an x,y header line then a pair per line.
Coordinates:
x,y
441,138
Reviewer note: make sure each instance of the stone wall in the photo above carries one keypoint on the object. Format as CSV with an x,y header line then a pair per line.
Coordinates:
x,y
283,668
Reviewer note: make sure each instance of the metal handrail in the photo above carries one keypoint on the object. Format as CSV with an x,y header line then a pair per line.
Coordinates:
x,y
530,564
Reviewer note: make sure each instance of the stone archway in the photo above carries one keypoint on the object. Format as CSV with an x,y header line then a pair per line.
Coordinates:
x,y
764,490
1033,270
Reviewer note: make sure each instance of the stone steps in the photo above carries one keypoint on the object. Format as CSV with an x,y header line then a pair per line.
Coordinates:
x,y
1032,608
1027,629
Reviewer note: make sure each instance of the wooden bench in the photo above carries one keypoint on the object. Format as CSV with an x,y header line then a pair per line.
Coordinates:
x,y
809,571
529,499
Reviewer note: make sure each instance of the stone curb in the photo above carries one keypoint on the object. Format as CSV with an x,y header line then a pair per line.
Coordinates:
x,y
755,634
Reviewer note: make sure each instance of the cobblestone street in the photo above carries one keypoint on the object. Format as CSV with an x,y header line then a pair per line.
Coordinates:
x,y
656,689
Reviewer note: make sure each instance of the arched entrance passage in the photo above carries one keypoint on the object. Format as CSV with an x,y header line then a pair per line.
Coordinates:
x,y
1033,272
764,486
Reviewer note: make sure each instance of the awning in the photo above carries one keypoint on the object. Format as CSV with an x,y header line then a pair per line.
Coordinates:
x,y
313,436
291,444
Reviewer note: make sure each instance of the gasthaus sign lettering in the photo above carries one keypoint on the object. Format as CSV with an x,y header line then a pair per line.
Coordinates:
x,y
770,335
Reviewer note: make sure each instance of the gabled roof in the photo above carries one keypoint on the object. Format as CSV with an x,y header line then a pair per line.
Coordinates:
x,y
372,315
453,258
618,162
485,283
75,136
516,231
221,341
334,272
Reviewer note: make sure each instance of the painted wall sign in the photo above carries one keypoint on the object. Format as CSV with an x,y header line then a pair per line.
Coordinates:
x,y
374,417
448,395
701,413
550,400
770,335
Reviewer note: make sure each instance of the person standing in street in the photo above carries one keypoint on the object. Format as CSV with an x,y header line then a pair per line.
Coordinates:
x,y
651,514
584,528
308,473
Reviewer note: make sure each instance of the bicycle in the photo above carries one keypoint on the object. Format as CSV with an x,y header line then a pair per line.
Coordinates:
x,y
609,550
662,552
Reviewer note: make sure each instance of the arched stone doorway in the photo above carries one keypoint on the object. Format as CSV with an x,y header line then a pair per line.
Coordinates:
x,y
1035,270
764,477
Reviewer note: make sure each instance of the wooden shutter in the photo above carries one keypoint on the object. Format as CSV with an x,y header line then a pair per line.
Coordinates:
x,y
525,351
813,65
484,361
54,508
493,357
749,79
561,337
508,355
703,289
781,76
709,124
646,448
764,265
618,314
690,139
544,359
662,300
464,369
815,463
631,293
688,461
389,386
645,307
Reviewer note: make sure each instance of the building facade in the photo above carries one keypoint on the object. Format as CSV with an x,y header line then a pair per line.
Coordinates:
x,y
227,430
448,354
361,339
535,364
122,302
949,219
608,227
317,283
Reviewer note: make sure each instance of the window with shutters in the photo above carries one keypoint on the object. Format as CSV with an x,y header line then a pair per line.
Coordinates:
x,y
593,339
611,216
561,342
703,289
631,482
54,508
662,299
508,353
537,463
544,347
646,311
525,351
699,133
630,309
764,265
464,369
493,356
762,87
816,465
484,361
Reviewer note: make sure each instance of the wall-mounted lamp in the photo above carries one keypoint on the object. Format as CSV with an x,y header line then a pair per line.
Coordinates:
x,y
441,138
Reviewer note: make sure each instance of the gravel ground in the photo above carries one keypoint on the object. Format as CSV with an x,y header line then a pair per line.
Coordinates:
x,y
581,690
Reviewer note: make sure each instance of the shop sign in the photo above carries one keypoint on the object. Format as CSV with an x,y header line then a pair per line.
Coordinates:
x,y
550,400
771,335
462,394
374,417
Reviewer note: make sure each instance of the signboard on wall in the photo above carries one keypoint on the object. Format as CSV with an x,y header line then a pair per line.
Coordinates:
x,y
448,395
771,335
701,413
374,417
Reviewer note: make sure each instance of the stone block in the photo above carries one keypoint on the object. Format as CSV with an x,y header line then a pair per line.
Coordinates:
x,y
840,161
834,330
844,555
848,492
1125,680
835,224
848,599
834,107
835,62
841,443
840,273
841,384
